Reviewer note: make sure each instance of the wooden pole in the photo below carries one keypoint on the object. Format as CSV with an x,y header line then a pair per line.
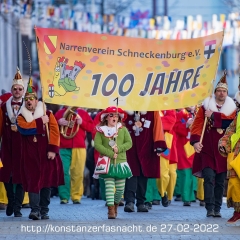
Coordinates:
x,y
205,120
115,160
44,106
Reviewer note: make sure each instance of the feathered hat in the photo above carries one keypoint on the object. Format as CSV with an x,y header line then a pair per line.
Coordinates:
x,y
18,79
223,81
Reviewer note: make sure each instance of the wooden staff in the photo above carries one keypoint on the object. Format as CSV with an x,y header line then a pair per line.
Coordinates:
x,y
44,112
115,160
205,120
44,106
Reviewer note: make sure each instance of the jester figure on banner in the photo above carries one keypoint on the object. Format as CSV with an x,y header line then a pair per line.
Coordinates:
x,y
41,165
208,163
11,147
64,79
229,145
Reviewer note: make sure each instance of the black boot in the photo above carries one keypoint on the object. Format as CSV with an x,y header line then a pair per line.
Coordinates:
x,y
165,201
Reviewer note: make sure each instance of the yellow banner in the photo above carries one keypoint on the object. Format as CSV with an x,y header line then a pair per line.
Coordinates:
x,y
92,70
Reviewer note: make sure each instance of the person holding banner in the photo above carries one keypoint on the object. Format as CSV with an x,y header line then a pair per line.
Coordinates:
x,y
146,131
10,174
113,140
219,111
74,123
41,165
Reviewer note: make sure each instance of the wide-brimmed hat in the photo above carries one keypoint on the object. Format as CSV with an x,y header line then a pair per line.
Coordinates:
x,y
223,81
113,109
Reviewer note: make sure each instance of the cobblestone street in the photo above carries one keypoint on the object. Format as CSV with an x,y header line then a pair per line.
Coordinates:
x,y
89,220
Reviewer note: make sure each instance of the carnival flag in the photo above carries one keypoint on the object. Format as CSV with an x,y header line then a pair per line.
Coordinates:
x,y
91,70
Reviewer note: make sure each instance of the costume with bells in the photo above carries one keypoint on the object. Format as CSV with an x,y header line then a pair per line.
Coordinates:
x,y
229,145
11,151
105,139
39,173
209,163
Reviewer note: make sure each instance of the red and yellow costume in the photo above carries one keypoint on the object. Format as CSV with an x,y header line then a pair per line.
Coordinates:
x,y
168,159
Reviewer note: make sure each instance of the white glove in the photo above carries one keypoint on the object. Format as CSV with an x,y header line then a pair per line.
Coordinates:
x,y
63,122
79,121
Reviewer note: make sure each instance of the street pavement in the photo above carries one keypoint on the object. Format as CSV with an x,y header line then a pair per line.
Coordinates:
x,y
88,220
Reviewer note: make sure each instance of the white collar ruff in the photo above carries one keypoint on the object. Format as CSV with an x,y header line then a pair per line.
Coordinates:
x,y
29,117
109,131
227,108
10,110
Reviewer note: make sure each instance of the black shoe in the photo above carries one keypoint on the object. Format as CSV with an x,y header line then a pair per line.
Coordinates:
x,y
217,214
129,207
165,201
148,205
45,217
156,202
76,202
142,208
202,204
9,210
17,214
121,203
34,216
210,213
187,204
178,198
26,205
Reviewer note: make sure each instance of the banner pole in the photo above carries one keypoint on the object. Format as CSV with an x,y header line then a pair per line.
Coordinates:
x,y
205,120
44,106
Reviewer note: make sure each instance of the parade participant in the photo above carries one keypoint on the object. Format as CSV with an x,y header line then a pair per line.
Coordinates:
x,y
152,195
168,159
11,146
230,144
147,135
40,164
113,140
187,183
74,123
220,110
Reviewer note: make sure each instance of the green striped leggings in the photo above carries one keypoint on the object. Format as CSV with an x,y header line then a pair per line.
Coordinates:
x,y
110,184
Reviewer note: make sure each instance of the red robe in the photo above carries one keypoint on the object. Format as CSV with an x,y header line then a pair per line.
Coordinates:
x,y
210,156
142,155
37,170
168,118
183,137
10,149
